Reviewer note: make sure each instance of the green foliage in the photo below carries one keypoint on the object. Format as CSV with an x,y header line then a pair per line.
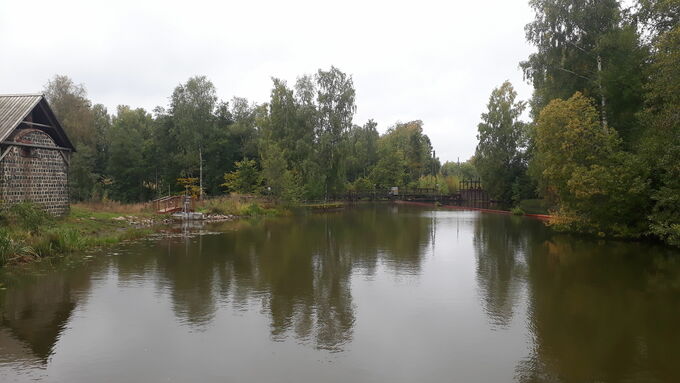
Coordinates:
x,y
304,142
464,171
293,188
407,141
363,150
362,185
130,155
61,241
252,210
29,216
571,37
74,110
238,205
274,167
190,185
582,169
390,170
443,184
245,179
336,108
500,157
517,211
660,145
609,167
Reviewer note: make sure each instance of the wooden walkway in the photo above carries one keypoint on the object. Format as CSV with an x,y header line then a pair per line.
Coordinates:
x,y
173,204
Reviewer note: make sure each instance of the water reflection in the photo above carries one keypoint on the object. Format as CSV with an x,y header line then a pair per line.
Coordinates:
x,y
296,269
494,291
500,248
606,312
597,311
35,311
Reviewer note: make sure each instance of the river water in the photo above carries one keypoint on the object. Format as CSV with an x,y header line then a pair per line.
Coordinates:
x,y
376,293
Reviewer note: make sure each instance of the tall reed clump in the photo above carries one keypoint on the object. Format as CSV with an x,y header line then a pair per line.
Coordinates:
x,y
11,248
60,241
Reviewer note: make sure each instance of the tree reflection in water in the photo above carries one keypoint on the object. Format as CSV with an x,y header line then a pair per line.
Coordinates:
x,y
34,311
601,312
500,246
597,311
585,310
297,269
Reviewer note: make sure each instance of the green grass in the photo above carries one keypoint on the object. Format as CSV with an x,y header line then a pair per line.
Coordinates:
x,y
28,233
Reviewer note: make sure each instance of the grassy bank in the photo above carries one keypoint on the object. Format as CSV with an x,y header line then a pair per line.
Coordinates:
x,y
28,234
241,206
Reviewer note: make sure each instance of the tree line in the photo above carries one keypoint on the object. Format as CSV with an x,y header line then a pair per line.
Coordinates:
x,y
603,141
301,145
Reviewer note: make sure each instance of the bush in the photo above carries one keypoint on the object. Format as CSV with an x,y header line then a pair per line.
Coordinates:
x,y
252,210
223,205
29,216
517,211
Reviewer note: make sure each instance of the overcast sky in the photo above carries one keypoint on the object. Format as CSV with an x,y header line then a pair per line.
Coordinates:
x,y
436,61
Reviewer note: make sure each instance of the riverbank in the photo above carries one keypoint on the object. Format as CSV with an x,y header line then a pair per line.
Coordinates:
x,y
27,234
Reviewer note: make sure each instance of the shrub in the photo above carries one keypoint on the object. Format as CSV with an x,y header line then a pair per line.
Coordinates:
x,y
29,216
517,211
252,210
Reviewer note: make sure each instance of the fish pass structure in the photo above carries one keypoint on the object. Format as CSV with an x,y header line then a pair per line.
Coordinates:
x,y
34,154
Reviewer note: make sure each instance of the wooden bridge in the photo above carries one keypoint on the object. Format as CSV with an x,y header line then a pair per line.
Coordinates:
x,y
173,204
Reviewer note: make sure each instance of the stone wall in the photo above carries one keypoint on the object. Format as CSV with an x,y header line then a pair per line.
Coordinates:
x,y
35,174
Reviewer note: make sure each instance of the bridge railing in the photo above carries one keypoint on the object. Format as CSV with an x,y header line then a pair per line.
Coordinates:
x,y
173,204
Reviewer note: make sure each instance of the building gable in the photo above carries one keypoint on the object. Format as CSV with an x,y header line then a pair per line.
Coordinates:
x,y
30,111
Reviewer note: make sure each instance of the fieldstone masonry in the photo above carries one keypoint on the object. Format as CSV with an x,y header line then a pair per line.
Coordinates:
x,y
35,174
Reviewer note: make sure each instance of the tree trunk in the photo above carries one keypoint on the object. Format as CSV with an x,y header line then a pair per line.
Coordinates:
x,y
603,100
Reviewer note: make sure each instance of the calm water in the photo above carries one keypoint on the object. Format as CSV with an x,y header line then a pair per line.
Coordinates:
x,y
373,294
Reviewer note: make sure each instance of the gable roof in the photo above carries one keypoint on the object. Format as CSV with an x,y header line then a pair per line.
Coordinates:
x,y
14,108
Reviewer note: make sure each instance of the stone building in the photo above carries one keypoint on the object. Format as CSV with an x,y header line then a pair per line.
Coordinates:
x,y
34,154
